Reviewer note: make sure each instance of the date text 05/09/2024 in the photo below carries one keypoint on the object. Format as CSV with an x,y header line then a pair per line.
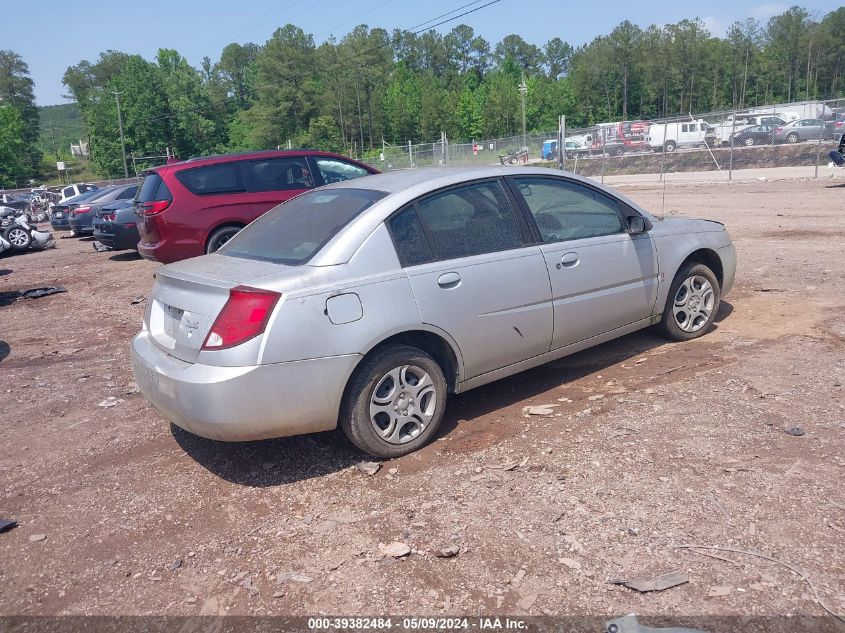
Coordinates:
x,y
417,623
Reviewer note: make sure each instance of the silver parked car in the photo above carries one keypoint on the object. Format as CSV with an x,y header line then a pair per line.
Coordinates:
x,y
803,130
365,303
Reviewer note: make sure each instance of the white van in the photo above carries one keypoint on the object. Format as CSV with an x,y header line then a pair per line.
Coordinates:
x,y
677,134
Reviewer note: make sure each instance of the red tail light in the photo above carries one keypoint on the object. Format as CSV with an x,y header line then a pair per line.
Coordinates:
x,y
108,217
244,316
153,207
81,211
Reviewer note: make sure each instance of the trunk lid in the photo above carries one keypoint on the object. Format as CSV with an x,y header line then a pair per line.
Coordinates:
x,y
189,295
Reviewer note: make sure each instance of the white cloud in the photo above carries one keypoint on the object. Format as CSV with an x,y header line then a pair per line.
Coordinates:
x,y
764,11
716,26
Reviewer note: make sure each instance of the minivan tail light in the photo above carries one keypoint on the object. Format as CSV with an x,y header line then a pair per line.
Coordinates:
x,y
244,316
153,207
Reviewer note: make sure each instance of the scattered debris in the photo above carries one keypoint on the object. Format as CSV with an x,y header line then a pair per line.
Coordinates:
x,y
630,624
368,468
597,396
138,300
110,402
176,564
448,552
37,293
719,591
102,248
34,538
655,583
7,524
542,409
570,562
132,388
797,431
396,549
527,601
190,600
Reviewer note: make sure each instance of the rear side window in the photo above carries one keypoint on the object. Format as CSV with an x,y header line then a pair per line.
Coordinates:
x,y
412,245
469,220
128,194
153,188
277,174
294,231
212,179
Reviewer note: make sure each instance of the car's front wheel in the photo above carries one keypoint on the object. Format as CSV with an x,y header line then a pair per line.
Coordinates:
x,y
692,303
394,402
18,237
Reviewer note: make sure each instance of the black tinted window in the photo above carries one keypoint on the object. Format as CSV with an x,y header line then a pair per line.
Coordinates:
x,y
153,188
566,210
128,193
212,179
411,242
470,220
294,231
277,174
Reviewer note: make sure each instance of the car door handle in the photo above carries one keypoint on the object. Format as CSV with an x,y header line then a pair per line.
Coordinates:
x,y
569,259
449,280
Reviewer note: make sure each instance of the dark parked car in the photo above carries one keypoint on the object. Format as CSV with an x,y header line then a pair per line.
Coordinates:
x,y
115,226
82,217
755,135
193,207
60,216
13,201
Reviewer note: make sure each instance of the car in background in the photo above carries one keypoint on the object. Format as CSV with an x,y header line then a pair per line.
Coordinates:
x,y
755,135
82,216
804,130
364,304
71,191
116,227
194,207
572,148
60,215
14,201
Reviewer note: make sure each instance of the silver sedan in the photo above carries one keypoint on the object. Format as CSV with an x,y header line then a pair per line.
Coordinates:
x,y
365,303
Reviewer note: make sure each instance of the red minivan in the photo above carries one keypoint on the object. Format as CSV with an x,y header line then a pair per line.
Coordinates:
x,y
193,207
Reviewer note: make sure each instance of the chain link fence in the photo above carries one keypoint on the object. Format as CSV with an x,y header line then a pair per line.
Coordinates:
x,y
776,141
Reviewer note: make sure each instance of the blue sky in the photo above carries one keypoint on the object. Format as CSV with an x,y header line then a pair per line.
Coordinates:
x,y
59,34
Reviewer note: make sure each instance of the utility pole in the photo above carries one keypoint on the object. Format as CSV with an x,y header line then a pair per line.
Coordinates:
x,y
523,90
53,135
122,141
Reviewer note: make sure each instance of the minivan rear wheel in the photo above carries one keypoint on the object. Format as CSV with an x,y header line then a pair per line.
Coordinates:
x,y
394,402
220,237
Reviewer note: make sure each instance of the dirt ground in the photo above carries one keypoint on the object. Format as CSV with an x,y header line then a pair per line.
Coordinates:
x,y
651,445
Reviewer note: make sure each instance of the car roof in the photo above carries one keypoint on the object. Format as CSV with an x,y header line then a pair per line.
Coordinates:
x,y
211,159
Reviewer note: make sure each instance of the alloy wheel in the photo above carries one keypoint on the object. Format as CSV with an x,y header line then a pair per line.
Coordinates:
x,y
403,404
693,304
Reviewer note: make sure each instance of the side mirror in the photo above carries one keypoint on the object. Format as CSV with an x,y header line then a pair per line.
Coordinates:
x,y
637,224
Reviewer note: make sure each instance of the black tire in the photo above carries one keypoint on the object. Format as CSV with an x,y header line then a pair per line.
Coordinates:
x,y
670,147
19,237
669,325
220,236
749,141
792,137
355,420
619,151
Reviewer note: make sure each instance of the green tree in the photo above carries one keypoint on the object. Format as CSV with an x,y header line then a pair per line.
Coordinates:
x,y
14,167
16,90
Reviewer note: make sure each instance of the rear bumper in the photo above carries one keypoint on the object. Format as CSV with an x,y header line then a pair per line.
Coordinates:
x,y
60,224
115,236
242,403
168,251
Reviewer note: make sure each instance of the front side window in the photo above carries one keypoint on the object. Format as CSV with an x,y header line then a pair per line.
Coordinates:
x,y
293,232
212,179
277,174
469,220
334,170
566,210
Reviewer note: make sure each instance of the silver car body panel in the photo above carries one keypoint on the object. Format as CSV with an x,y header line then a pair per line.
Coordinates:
x,y
500,313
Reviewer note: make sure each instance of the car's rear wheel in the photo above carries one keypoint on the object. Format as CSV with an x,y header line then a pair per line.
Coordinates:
x,y
792,137
394,402
670,146
18,237
692,303
749,141
219,237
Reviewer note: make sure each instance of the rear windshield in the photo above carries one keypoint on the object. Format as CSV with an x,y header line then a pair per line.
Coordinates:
x,y
153,188
294,231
